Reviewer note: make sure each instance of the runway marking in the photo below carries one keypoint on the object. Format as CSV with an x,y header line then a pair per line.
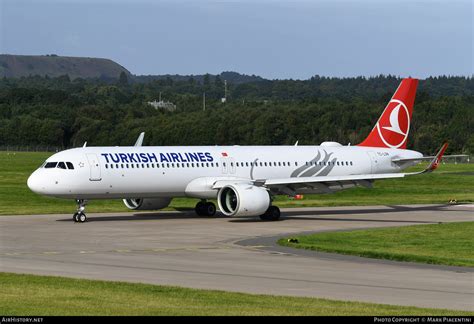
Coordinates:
x,y
150,250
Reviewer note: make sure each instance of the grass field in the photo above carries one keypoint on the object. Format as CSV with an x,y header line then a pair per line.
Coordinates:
x,y
447,244
449,182
29,295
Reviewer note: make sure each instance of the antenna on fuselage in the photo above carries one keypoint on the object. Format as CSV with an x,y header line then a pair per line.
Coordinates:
x,y
139,141
85,144
296,144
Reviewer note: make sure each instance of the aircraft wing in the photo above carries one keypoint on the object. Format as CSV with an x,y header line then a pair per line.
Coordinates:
x,y
330,183
325,184
329,179
139,141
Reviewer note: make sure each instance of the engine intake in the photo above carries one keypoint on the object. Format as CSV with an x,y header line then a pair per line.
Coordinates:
x,y
146,203
243,200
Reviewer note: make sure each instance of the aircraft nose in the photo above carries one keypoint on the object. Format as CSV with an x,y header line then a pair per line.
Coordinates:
x,y
34,183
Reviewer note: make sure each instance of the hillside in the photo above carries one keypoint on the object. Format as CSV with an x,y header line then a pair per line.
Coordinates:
x,y
15,66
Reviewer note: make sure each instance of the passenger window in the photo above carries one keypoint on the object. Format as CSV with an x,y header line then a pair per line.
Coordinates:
x,y
121,166
50,165
111,166
106,166
70,166
296,163
217,164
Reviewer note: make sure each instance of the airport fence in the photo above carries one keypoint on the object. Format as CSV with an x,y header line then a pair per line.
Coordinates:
x,y
32,148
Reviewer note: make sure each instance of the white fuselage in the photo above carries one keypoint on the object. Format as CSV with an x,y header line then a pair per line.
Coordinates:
x,y
180,171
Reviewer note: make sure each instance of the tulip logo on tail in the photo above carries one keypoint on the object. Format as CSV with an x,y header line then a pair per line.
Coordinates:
x,y
394,124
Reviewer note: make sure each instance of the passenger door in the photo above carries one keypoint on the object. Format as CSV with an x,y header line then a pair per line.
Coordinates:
x,y
94,165
374,162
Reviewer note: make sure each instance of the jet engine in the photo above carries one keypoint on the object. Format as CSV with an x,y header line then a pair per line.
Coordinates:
x,y
243,200
146,203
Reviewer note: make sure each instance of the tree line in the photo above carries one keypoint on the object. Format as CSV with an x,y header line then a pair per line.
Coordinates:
x,y
66,113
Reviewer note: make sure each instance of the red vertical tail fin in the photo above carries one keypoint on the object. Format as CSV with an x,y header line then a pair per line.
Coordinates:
x,y
392,128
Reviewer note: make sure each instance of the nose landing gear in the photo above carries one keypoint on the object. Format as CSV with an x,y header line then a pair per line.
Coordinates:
x,y
79,216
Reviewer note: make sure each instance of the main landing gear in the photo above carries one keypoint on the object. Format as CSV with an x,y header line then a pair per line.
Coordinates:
x,y
272,214
204,208
79,216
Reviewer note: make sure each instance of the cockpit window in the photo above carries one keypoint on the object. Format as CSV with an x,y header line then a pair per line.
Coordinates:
x,y
50,165
62,165
70,166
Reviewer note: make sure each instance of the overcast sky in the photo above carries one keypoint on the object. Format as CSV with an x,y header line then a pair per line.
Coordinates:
x,y
273,39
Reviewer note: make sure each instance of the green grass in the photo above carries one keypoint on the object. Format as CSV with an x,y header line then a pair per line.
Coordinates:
x,y
449,182
29,295
446,244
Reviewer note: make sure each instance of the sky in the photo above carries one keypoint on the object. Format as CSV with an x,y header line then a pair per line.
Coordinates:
x,y
275,39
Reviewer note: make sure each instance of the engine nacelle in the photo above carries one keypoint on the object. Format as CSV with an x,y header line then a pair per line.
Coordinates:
x,y
243,200
146,203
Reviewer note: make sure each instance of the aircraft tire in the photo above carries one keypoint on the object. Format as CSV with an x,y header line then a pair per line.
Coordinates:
x,y
209,209
82,218
272,214
199,209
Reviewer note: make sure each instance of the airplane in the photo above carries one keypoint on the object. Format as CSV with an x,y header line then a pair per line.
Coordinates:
x,y
243,179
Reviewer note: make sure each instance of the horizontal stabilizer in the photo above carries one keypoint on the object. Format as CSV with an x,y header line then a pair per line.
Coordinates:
x,y
428,158
434,162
